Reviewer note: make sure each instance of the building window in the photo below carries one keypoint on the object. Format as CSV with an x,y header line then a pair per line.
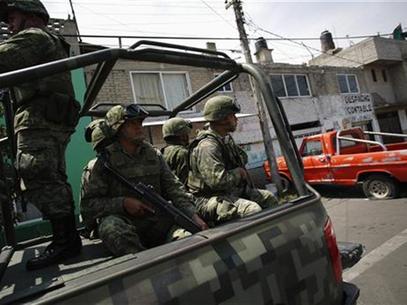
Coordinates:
x,y
384,74
348,83
290,85
307,125
374,75
168,89
226,88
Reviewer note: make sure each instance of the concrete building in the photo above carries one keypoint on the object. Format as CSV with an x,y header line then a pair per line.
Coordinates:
x,y
384,65
311,96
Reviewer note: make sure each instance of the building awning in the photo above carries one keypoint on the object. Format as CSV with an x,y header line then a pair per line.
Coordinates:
x,y
199,119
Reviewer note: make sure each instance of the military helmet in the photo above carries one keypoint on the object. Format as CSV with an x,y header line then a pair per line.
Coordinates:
x,y
176,127
218,107
117,115
26,6
98,133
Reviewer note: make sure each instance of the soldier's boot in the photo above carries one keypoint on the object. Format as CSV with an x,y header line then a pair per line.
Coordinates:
x,y
66,243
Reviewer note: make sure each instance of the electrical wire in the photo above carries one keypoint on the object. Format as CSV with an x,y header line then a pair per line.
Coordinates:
x,y
250,20
213,10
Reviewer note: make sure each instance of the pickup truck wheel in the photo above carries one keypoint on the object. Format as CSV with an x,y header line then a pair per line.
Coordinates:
x,y
379,187
286,184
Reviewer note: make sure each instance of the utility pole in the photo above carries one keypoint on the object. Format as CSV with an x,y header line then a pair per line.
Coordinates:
x,y
268,143
75,21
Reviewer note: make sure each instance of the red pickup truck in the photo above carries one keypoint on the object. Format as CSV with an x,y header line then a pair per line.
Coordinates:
x,y
346,157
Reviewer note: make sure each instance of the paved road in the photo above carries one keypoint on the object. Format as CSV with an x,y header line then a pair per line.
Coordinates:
x,y
382,227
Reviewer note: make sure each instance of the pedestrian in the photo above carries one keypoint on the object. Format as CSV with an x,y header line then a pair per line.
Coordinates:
x,y
46,116
218,177
126,224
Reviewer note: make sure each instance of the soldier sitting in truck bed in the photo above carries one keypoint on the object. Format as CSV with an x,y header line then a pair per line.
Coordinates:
x,y
218,177
126,224
176,134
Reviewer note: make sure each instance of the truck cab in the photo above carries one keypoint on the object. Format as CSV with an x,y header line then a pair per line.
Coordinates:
x,y
347,157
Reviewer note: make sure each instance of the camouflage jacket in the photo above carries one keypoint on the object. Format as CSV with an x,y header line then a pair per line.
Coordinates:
x,y
214,163
176,157
102,194
27,48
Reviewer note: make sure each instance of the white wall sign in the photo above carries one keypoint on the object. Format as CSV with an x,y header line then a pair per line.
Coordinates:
x,y
358,107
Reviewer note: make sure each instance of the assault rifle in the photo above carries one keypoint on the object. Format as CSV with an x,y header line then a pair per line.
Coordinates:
x,y
147,194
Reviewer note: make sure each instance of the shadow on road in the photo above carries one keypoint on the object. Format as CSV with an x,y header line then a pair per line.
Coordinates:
x,y
337,191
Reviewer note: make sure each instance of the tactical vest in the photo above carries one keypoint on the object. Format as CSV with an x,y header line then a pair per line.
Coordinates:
x,y
145,167
60,83
172,155
46,102
231,160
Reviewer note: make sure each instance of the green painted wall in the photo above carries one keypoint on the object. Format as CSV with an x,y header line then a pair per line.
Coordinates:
x,y
79,152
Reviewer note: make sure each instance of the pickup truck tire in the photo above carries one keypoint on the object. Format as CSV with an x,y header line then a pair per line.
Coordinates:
x,y
379,187
286,184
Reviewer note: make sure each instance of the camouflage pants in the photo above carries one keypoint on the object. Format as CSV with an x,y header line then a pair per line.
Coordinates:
x,y
218,209
122,235
264,198
41,166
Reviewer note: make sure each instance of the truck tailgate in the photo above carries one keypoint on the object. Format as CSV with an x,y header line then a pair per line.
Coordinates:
x,y
275,257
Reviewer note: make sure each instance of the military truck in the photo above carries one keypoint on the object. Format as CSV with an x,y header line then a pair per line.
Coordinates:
x,y
286,255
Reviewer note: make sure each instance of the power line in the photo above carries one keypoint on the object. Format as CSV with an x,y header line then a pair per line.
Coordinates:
x,y
281,38
213,10
302,44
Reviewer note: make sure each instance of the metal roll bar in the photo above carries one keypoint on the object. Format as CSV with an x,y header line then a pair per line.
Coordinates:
x,y
339,137
286,141
105,59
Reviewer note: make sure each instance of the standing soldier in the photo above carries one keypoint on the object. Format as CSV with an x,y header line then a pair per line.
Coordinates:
x,y
125,224
218,176
176,134
46,116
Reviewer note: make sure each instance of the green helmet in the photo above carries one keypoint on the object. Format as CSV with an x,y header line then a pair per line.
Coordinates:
x,y
98,133
117,115
176,127
26,6
218,107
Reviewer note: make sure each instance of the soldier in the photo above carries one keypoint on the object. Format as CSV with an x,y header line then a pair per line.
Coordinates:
x,y
100,135
176,134
218,176
126,224
46,116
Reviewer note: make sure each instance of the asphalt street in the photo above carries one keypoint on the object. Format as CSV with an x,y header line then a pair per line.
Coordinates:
x,y
381,226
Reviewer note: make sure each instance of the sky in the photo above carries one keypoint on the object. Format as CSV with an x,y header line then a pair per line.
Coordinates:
x,y
210,19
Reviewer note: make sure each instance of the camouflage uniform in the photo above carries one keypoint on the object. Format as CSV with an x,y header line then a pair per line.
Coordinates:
x,y
176,156
46,115
41,138
215,165
103,195
176,151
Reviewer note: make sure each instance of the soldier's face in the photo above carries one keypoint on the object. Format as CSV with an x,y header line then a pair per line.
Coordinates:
x,y
232,122
16,21
184,139
132,131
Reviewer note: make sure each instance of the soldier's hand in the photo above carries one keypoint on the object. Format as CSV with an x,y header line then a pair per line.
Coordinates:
x,y
136,208
199,221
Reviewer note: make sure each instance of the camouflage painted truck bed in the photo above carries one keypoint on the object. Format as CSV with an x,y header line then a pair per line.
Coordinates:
x,y
279,256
